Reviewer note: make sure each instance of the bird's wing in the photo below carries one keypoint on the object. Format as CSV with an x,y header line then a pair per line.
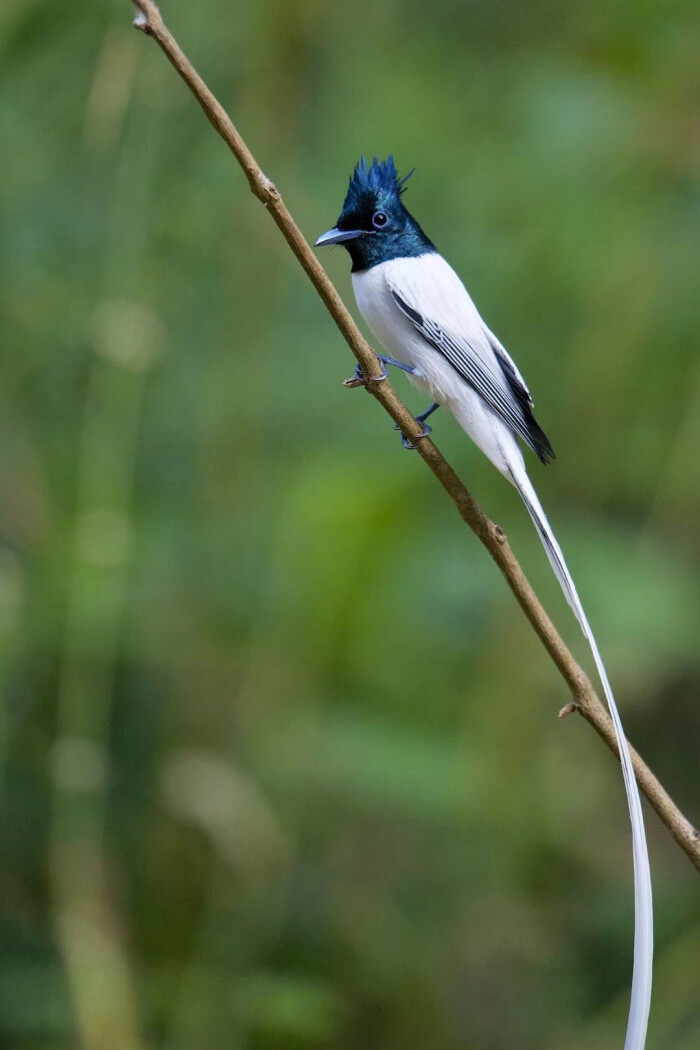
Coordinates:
x,y
481,360
508,365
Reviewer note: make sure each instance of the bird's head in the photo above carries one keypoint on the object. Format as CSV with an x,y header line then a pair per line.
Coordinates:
x,y
374,225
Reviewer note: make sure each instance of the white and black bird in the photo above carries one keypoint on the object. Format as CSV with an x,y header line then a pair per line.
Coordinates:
x,y
421,313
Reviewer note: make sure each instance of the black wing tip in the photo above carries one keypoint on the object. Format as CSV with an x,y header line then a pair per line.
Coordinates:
x,y
539,442
546,456
536,437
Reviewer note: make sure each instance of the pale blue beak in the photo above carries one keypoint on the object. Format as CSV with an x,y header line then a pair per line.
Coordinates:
x,y
336,236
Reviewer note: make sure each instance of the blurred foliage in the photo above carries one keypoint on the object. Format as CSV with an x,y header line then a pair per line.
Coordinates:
x,y
280,763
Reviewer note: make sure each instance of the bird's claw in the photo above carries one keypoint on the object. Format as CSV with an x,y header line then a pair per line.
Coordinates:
x,y
360,379
406,442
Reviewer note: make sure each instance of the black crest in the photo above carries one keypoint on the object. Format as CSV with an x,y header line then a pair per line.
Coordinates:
x,y
380,178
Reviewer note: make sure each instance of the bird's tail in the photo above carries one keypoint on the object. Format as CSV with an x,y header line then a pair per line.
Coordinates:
x,y
644,923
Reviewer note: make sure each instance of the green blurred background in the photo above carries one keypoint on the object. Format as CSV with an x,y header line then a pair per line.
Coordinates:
x,y
280,762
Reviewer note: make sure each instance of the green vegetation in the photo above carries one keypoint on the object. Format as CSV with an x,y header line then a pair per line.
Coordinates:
x,y
280,767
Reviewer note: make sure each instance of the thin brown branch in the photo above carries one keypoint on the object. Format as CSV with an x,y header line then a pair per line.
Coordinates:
x,y
585,699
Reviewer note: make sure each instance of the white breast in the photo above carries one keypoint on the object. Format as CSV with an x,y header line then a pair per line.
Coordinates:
x,y
430,284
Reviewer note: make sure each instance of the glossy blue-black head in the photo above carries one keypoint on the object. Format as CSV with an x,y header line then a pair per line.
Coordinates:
x,y
374,224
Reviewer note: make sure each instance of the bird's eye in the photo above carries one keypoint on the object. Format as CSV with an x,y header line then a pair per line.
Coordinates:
x,y
379,220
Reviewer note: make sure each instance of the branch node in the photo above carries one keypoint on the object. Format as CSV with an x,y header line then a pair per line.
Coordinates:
x,y
264,189
499,534
352,381
141,20
569,709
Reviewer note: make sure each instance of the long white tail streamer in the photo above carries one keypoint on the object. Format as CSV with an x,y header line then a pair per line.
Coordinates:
x,y
644,919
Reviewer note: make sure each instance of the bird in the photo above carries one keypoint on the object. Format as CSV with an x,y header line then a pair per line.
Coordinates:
x,y
417,307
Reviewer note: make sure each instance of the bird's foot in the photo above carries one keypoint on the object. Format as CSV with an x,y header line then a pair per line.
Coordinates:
x,y
426,428
360,379
406,442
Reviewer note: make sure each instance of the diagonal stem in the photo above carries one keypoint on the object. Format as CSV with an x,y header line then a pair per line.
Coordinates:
x,y
585,700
